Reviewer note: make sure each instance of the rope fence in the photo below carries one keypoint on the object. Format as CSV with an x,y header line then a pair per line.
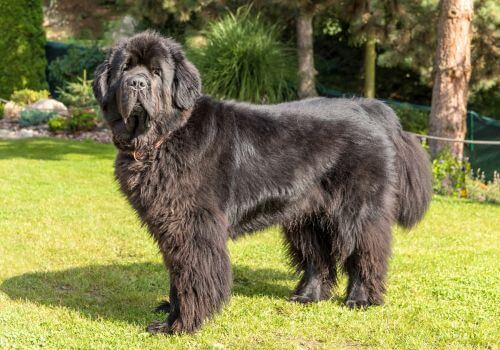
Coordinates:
x,y
474,142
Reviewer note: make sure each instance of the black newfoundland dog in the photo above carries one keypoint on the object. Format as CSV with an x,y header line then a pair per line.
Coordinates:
x,y
335,173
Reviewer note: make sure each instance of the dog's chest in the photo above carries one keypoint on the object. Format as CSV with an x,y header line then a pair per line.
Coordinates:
x,y
139,180
154,189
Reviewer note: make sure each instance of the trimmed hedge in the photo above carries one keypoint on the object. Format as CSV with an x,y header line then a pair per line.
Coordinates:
x,y
22,46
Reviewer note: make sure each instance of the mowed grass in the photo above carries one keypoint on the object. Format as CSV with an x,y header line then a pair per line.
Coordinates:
x,y
78,271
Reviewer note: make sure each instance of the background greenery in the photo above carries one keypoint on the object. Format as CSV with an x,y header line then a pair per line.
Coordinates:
x,y
78,271
403,31
68,68
241,57
22,40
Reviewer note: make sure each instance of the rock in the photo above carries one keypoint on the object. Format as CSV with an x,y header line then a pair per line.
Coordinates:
x,y
7,134
25,133
50,105
12,110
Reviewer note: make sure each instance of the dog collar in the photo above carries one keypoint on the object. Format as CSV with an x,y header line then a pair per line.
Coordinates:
x,y
138,155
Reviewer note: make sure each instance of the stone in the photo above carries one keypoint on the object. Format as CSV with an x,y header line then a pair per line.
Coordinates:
x,y
12,110
50,105
26,133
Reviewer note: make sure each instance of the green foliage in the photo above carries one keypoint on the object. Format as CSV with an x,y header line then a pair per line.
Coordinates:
x,y
175,17
412,119
31,117
82,120
486,101
407,43
484,191
78,94
243,59
70,67
332,26
484,56
2,106
27,96
449,175
22,40
58,123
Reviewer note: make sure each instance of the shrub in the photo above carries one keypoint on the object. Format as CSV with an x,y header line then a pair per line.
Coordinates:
x,y
22,58
1,109
243,59
82,120
484,191
71,66
449,174
32,117
58,123
78,94
412,119
27,96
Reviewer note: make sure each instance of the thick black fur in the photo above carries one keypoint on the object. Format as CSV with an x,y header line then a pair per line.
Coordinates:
x,y
335,173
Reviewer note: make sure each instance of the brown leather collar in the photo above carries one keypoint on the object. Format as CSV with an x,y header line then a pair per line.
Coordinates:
x,y
184,115
137,155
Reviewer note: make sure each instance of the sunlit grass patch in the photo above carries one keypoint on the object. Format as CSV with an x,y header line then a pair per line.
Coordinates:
x,y
78,271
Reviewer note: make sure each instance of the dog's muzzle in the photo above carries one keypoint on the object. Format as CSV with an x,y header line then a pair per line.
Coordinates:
x,y
138,120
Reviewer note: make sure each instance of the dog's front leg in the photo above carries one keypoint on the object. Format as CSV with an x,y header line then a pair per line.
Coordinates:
x,y
200,280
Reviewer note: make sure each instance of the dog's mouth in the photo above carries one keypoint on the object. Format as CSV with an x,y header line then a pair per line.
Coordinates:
x,y
138,121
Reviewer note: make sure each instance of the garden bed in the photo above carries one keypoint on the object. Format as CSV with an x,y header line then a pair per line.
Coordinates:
x,y
11,130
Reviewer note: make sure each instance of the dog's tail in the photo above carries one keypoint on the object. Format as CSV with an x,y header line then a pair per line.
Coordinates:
x,y
415,180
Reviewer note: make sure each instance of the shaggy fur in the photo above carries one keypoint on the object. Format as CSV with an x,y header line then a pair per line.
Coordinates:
x,y
335,173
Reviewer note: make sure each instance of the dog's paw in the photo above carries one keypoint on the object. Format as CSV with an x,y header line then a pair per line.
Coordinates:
x,y
162,308
158,327
304,299
357,304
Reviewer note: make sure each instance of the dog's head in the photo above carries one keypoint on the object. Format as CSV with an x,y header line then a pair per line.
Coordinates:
x,y
143,87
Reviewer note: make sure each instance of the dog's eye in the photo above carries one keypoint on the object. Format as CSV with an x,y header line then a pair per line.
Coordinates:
x,y
125,67
157,71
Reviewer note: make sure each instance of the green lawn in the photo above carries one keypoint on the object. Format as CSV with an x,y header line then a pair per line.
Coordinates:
x,y
78,271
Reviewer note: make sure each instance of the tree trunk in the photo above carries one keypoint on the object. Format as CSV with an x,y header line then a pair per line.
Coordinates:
x,y
370,62
305,54
452,73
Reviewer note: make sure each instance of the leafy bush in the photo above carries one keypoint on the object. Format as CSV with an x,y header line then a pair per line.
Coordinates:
x,y
2,106
27,96
58,123
483,191
486,101
32,117
22,58
71,66
449,174
82,120
78,94
243,59
412,119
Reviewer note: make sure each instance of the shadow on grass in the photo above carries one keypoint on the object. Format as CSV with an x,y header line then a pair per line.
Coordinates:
x,y
53,149
125,292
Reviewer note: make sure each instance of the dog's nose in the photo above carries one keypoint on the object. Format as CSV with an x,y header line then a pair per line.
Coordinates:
x,y
138,82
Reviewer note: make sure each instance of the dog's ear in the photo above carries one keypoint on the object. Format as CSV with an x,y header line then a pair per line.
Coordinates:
x,y
187,83
100,83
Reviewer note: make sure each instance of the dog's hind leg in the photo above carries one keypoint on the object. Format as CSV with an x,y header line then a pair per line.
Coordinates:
x,y
309,249
367,266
